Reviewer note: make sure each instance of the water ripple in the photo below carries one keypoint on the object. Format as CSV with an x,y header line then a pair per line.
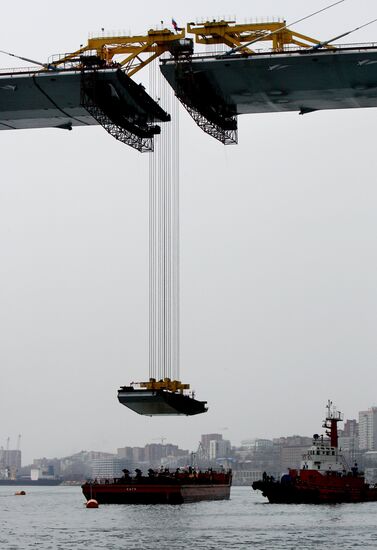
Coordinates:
x,y
56,519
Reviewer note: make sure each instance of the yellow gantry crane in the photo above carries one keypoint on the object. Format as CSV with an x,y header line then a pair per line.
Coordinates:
x,y
235,35
129,51
132,53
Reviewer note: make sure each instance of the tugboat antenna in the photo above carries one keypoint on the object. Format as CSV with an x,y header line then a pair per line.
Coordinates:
x,y
331,423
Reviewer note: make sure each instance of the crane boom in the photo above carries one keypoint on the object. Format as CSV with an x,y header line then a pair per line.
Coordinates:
x,y
131,51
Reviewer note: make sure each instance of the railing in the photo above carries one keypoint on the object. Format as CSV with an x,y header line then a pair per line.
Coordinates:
x,y
22,70
31,70
58,57
354,46
289,49
107,33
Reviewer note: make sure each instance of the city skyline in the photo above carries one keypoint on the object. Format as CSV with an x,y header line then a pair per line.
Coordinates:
x,y
163,441
356,441
248,461
224,432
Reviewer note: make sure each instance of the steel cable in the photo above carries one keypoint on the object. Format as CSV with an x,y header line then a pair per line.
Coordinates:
x,y
164,239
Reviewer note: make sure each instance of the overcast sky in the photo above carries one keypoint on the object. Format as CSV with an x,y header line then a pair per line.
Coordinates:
x,y
278,256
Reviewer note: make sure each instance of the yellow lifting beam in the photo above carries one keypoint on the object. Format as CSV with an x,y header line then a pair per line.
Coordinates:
x,y
132,48
165,384
234,35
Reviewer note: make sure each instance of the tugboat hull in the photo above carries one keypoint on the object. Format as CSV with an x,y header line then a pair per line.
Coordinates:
x,y
279,493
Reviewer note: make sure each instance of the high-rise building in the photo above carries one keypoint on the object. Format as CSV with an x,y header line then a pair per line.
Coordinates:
x,y
108,467
292,449
351,428
219,449
368,429
206,438
153,455
126,452
349,441
138,454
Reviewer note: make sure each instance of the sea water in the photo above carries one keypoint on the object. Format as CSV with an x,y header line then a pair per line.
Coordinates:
x,y
56,518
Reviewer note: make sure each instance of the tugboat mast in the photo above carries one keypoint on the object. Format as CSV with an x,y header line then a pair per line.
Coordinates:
x,y
331,423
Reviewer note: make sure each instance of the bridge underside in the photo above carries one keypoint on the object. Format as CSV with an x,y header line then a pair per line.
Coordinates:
x,y
303,81
160,402
64,99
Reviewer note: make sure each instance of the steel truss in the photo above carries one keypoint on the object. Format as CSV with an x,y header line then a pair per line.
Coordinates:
x,y
88,101
227,137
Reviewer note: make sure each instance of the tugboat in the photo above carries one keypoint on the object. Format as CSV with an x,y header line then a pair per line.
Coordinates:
x,y
161,487
324,476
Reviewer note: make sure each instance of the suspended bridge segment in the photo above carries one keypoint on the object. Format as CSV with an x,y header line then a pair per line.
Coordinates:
x,y
69,98
161,398
164,394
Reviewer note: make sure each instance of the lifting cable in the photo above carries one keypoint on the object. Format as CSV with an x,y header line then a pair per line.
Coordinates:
x,y
271,33
164,238
327,42
44,65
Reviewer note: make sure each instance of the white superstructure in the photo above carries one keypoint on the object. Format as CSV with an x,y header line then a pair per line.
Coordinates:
x,y
323,457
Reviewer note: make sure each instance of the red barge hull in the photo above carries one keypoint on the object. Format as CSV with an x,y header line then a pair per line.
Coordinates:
x,y
161,489
149,494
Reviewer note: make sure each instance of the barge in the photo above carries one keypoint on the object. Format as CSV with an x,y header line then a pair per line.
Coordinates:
x,y
161,487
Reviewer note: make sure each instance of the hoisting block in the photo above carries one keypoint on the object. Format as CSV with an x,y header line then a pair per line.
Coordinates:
x,y
161,398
